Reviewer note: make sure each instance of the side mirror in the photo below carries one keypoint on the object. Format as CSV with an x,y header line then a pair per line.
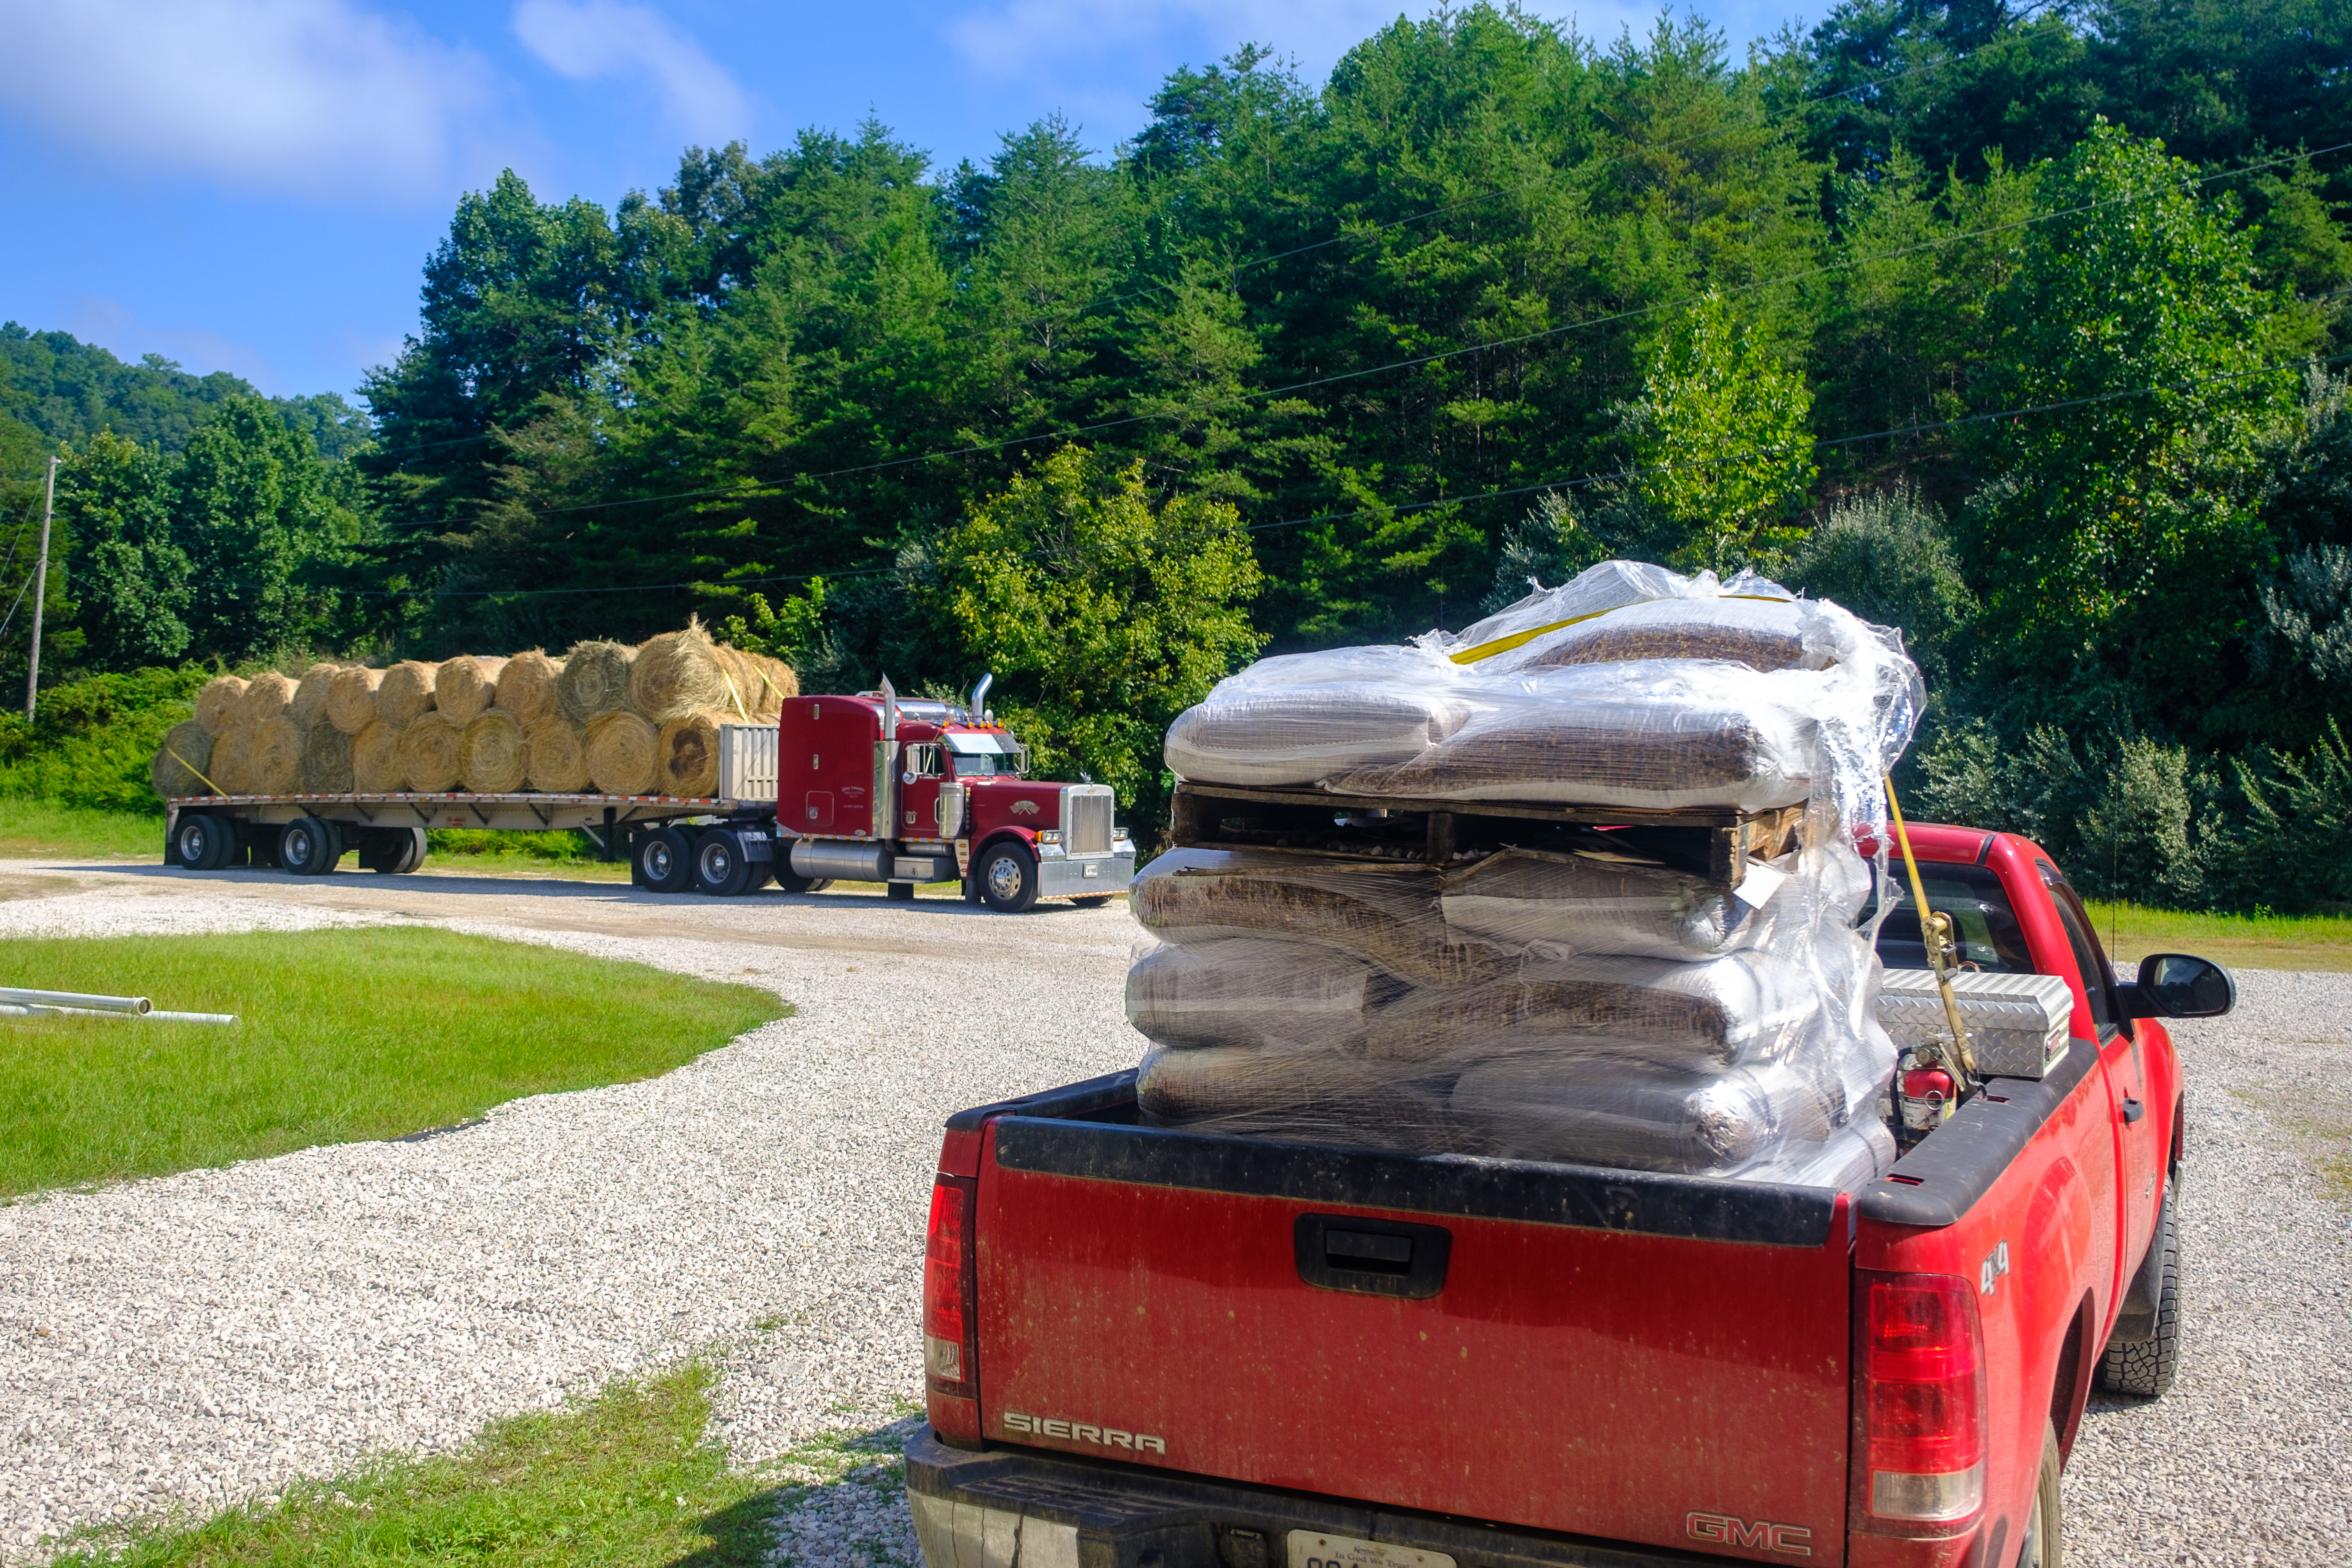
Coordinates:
x,y
2174,986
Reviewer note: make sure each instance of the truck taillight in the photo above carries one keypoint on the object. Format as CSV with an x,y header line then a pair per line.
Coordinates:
x,y
1919,1404
951,1287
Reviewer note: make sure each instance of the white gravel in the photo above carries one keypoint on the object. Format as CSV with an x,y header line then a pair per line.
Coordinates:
x,y
200,1338
181,1343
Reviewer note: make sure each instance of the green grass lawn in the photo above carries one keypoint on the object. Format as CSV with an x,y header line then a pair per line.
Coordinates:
x,y
38,827
630,1480
344,1035
2241,942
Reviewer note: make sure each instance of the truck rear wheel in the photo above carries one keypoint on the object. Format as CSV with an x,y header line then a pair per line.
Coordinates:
x,y
389,851
663,861
2144,1369
1007,875
720,868
310,847
2044,1535
792,881
202,842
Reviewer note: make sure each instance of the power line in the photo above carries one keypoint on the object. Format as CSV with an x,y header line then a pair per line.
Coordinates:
x,y
1347,235
765,489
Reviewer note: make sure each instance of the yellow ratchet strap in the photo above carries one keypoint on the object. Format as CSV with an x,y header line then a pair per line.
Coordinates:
x,y
1520,639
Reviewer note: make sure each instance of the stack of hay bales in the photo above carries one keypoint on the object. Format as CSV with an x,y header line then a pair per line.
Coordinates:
x,y
608,717
1575,1000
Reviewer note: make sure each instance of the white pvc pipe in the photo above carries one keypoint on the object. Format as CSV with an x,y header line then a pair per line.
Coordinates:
x,y
76,1000
42,1010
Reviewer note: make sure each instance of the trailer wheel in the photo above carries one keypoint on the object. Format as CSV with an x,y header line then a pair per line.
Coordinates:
x,y
308,847
664,862
203,842
1091,900
720,868
390,851
1007,875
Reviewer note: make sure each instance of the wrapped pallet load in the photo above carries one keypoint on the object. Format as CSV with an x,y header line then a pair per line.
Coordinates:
x,y
1548,998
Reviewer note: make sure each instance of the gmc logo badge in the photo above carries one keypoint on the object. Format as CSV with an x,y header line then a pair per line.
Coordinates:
x,y
1794,1541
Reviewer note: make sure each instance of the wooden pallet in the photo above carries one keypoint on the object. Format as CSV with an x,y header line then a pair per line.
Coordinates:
x,y
1719,842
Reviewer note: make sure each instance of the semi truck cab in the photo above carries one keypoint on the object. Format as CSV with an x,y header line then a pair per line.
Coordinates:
x,y
871,787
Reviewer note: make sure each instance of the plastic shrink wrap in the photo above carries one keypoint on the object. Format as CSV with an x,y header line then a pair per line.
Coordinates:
x,y
1528,1003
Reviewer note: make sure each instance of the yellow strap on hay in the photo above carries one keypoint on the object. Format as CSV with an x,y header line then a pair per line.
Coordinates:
x,y
195,770
1520,639
733,696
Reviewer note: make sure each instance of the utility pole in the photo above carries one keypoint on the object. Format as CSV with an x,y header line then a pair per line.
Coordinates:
x,y
40,592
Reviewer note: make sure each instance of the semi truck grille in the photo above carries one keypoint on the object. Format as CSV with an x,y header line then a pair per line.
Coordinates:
x,y
1086,819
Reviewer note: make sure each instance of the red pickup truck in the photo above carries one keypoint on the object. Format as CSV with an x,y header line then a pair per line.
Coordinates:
x,y
1153,1347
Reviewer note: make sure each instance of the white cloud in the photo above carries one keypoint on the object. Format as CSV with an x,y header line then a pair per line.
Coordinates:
x,y
1027,38
320,98
590,40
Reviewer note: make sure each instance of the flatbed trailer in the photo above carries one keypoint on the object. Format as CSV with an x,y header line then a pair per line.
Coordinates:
x,y
210,832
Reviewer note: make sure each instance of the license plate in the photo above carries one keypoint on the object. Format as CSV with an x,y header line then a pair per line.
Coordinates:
x,y
1310,1550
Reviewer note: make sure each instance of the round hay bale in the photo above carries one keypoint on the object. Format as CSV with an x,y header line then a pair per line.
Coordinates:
x,y
216,703
375,760
555,760
326,761
595,680
743,702
676,674
687,756
351,698
405,693
428,752
309,707
776,682
466,686
527,687
266,696
276,761
620,749
491,758
232,766
183,761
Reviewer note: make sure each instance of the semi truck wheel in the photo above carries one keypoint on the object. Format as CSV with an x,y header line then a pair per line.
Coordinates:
x,y
1007,875
2144,1369
2044,1537
719,868
308,847
664,862
792,881
204,842
1091,900
390,851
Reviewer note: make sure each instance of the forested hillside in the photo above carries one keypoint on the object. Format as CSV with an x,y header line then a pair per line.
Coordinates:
x,y
2023,330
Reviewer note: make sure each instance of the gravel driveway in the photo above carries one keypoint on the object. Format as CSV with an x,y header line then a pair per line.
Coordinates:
x,y
200,1338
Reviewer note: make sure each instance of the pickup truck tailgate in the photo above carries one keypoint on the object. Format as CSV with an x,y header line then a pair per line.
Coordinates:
x,y
1638,1358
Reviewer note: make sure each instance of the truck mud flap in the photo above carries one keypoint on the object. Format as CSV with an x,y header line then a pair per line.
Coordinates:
x,y
1004,1507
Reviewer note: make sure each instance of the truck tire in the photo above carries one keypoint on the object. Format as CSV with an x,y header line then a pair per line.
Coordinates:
x,y
390,851
2144,1369
310,847
202,842
792,881
663,860
720,868
1091,900
1007,877
2045,1536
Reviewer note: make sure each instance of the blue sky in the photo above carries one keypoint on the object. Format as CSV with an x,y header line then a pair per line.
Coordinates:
x,y
253,185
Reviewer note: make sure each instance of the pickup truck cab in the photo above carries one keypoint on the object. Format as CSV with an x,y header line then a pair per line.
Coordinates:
x,y
1154,1348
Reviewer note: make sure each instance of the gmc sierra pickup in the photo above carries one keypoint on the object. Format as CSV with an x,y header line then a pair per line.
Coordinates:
x,y
1153,1348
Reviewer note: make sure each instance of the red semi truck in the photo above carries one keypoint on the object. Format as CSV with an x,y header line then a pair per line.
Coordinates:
x,y
872,789
1153,1348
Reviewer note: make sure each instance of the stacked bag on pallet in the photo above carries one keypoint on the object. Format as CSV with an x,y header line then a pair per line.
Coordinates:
x,y
1584,1005
608,717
